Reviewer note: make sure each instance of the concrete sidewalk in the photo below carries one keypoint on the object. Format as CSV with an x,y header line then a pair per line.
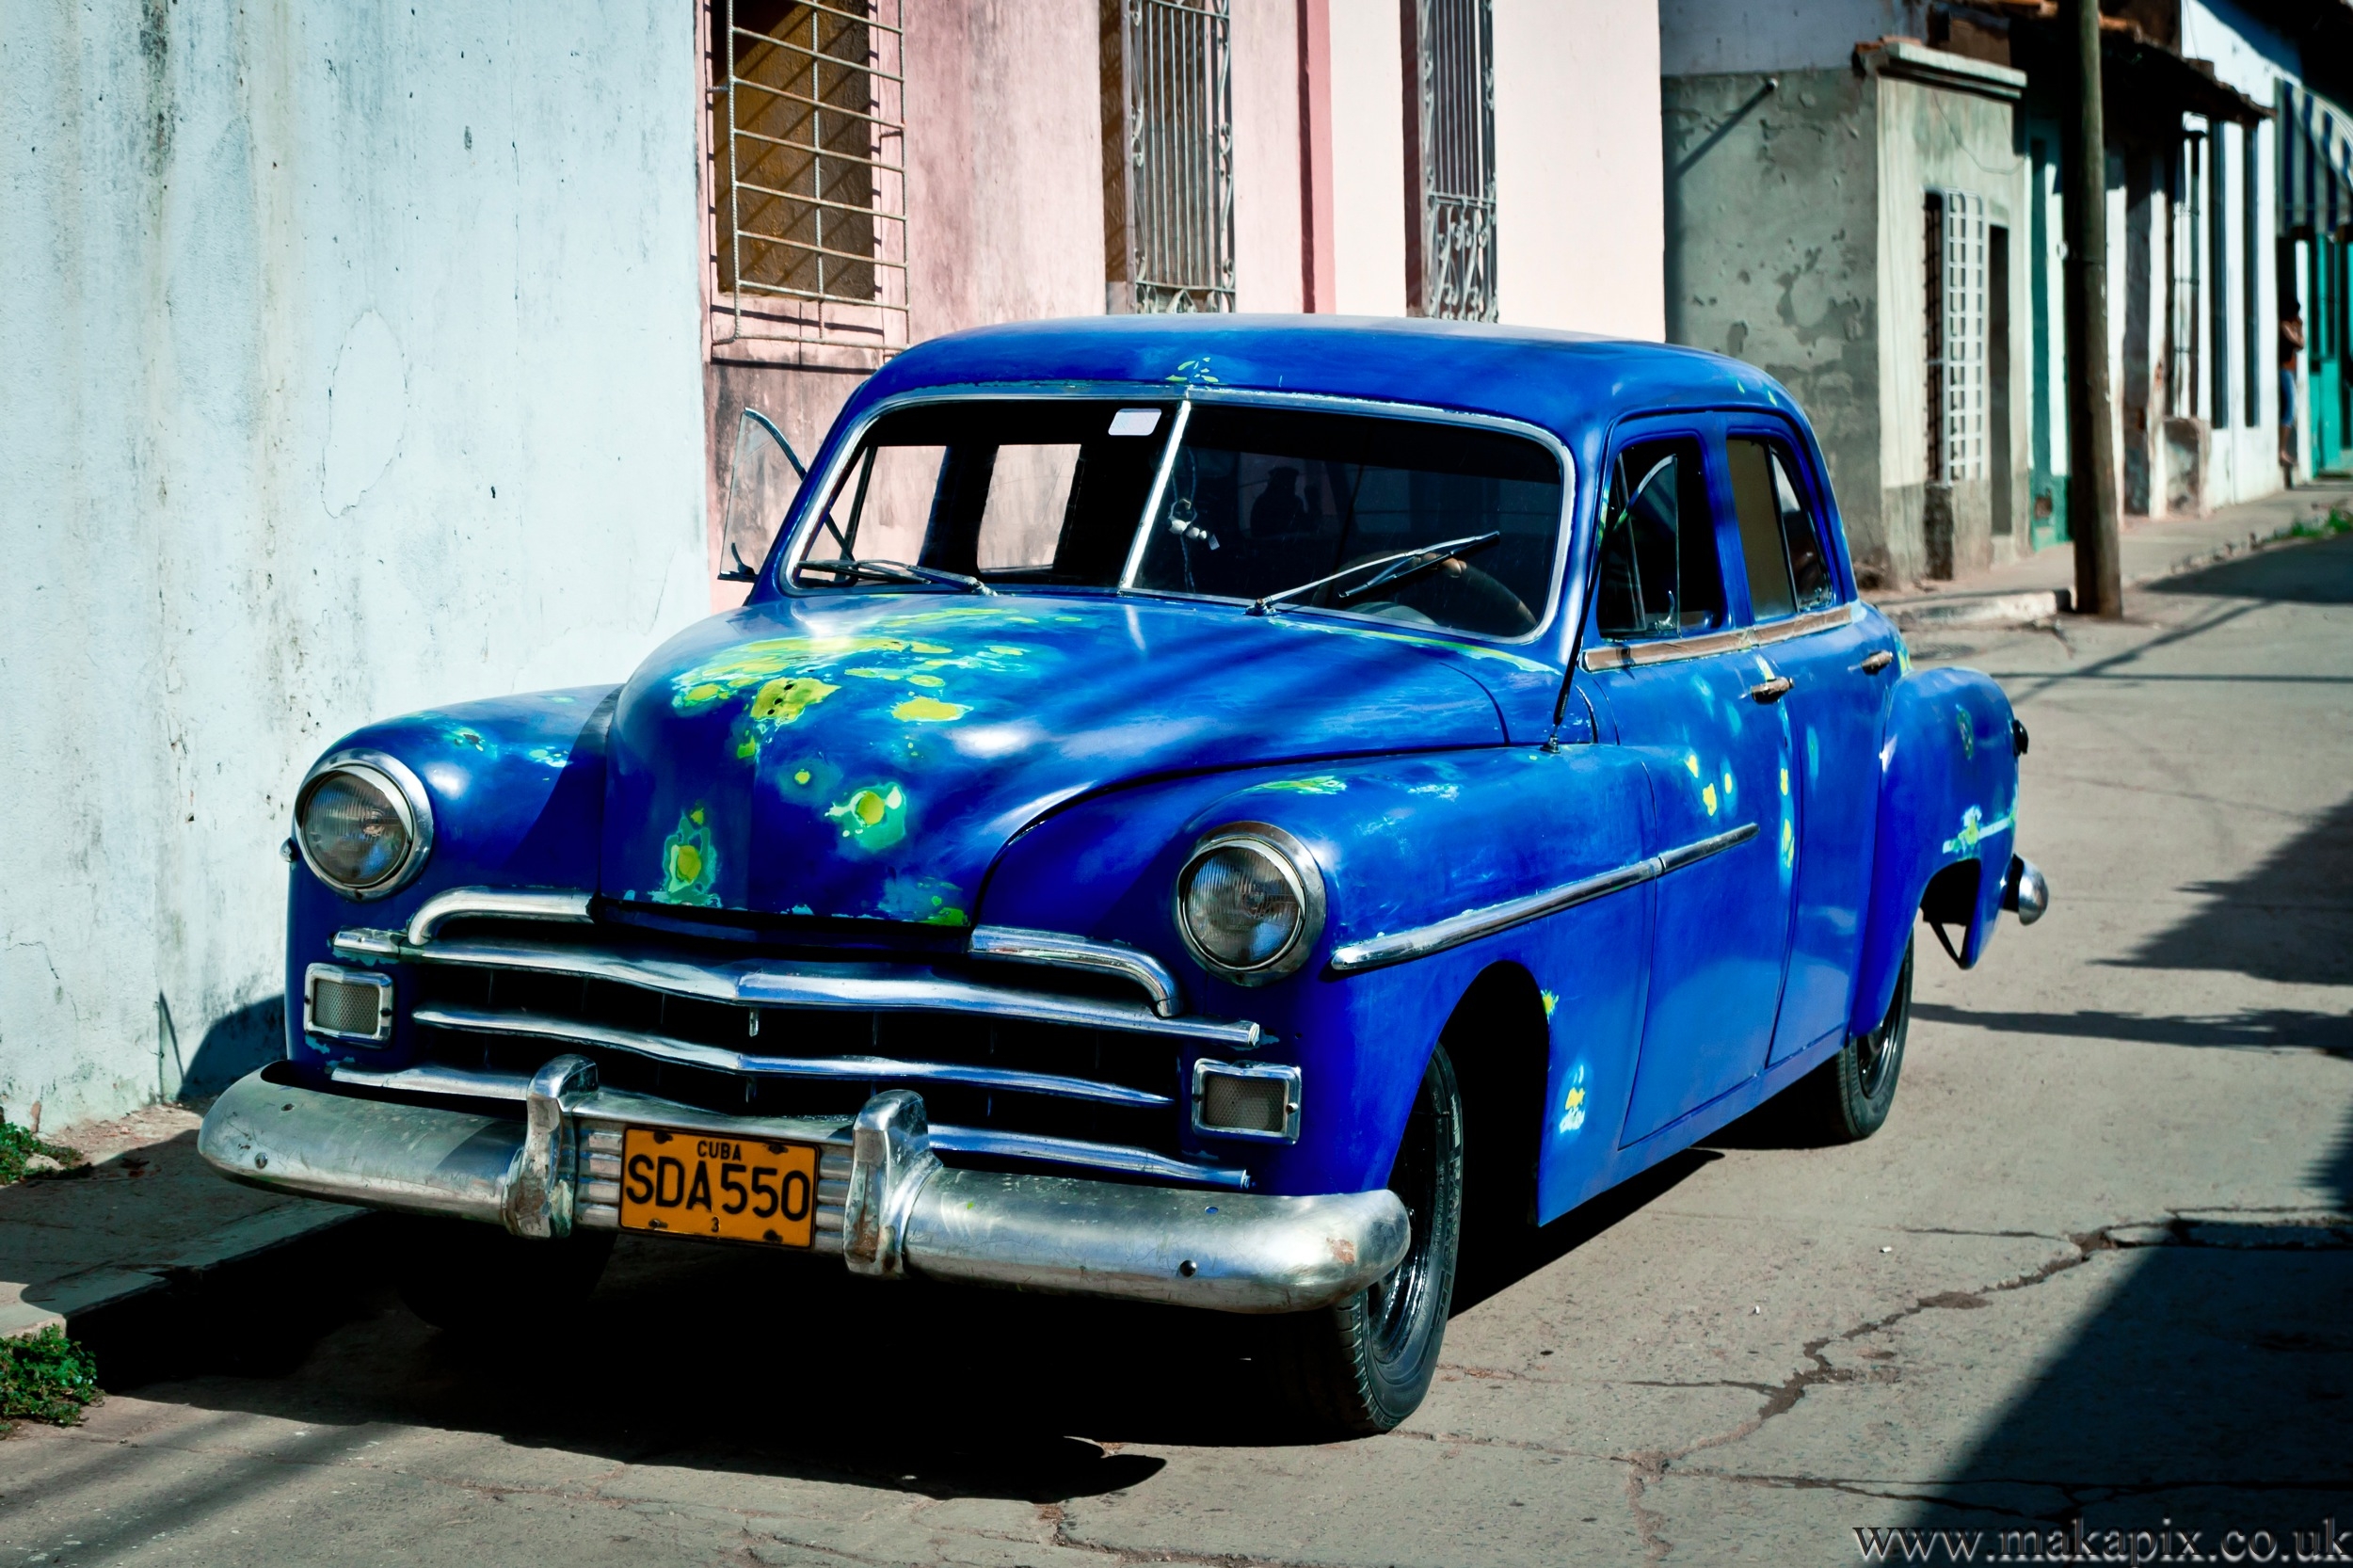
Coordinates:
x,y
124,1251
2042,585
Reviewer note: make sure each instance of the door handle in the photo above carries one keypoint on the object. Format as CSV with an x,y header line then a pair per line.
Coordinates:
x,y
1878,662
1770,691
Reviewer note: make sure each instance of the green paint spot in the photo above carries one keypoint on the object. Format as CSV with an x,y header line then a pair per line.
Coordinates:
x,y
1552,1000
689,865
927,710
927,648
784,701
800,776
1323,784
754,664
873,817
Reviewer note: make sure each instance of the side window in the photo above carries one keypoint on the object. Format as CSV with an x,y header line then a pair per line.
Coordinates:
x,y
1779,545
1658,570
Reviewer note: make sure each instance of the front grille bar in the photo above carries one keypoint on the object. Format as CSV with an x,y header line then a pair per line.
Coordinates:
x,y
857,1069
880,987
610,1110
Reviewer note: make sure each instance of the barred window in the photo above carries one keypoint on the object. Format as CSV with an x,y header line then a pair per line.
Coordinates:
x,y
809,170
1954,257
1450,134
1168,156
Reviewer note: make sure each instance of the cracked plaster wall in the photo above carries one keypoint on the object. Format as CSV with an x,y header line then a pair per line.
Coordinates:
x,y
352,365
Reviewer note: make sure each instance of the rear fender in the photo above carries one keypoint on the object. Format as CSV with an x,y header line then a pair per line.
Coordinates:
x,y
1948,796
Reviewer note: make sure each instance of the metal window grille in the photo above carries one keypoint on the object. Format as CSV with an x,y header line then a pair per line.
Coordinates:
x,y
1956,269
1450,269
2185,328
1168,124
810,170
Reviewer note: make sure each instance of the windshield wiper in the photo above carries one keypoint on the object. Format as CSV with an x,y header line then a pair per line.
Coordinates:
x,y
898,571
1400,564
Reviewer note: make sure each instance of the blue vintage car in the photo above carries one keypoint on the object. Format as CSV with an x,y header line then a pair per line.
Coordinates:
x,y
1206,810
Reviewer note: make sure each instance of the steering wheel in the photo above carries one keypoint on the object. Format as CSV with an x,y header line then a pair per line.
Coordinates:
x,y
1496,610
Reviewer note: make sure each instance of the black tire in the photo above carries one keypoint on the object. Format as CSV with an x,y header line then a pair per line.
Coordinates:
x,y
1846,1099
478,1281
1359,1368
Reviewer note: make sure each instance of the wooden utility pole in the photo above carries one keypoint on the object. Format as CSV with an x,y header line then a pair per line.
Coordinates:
x,y
2091,408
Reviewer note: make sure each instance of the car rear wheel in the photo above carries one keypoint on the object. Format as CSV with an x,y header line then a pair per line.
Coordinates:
x,y
476,1281
1846,1099
1361,1366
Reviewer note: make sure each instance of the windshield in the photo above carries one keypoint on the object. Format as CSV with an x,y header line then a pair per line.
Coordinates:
x,y
1257,500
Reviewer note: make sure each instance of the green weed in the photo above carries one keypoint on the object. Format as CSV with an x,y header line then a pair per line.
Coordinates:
x,y
2338,521
18,1145
45,1377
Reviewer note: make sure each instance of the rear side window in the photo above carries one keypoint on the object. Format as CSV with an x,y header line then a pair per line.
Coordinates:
x,y
1659,575
1781,544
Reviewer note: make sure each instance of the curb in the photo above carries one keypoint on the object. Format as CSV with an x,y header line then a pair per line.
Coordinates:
x,y
218,1299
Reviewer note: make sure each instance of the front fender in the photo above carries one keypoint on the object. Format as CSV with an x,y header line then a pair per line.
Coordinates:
x,y
1401,841
517,789
1949,796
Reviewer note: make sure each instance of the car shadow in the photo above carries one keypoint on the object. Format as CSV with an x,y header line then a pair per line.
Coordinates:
x,y
734,1359
2320,572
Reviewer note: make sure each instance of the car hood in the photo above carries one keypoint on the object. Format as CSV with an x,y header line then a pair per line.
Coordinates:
x,y
868,755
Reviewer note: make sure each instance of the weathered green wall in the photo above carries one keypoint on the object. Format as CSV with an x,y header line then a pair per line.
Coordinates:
x,y
1773,255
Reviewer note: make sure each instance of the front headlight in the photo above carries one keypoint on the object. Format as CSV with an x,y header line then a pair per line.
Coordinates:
x,y
363,823
1250,902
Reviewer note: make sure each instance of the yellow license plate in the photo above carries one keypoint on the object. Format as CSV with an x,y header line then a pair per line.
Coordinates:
x,y
736,1188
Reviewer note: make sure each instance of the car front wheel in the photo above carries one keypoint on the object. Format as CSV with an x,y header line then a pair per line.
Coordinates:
x,y
1361,1366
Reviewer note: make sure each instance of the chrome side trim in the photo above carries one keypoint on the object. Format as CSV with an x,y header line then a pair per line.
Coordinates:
x,y
770,982
512,903
1669,651
1468,926
662,1047
1019,945
1237,1253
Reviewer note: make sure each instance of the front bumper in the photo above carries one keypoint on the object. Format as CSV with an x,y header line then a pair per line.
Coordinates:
x,y
885,1202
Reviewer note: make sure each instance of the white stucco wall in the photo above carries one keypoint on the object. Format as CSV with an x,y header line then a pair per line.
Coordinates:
x,y
1701,38
1580,225
1267,207
1368,158
351,367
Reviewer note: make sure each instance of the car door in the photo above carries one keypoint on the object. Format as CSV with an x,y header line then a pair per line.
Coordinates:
x,y
1663,657
1803,618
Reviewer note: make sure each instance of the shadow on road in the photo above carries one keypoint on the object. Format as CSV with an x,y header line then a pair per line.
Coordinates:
x,y
2290,919
729,1359
2262,1029
2316,573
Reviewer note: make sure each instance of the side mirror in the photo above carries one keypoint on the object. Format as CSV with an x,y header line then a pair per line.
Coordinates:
x,y
762,481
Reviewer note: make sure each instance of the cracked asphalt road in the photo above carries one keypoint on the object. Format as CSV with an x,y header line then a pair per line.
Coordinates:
x,y
2098,1265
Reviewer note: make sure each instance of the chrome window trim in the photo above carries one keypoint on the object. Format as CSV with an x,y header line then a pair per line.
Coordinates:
x,y
1301,869
767,983
857,1070
380,983
1669,651
515,903
1204,1069
1468,926
825,481
1022,945
407,794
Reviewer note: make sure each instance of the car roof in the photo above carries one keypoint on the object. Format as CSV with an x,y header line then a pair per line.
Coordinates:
x,y
1569,383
